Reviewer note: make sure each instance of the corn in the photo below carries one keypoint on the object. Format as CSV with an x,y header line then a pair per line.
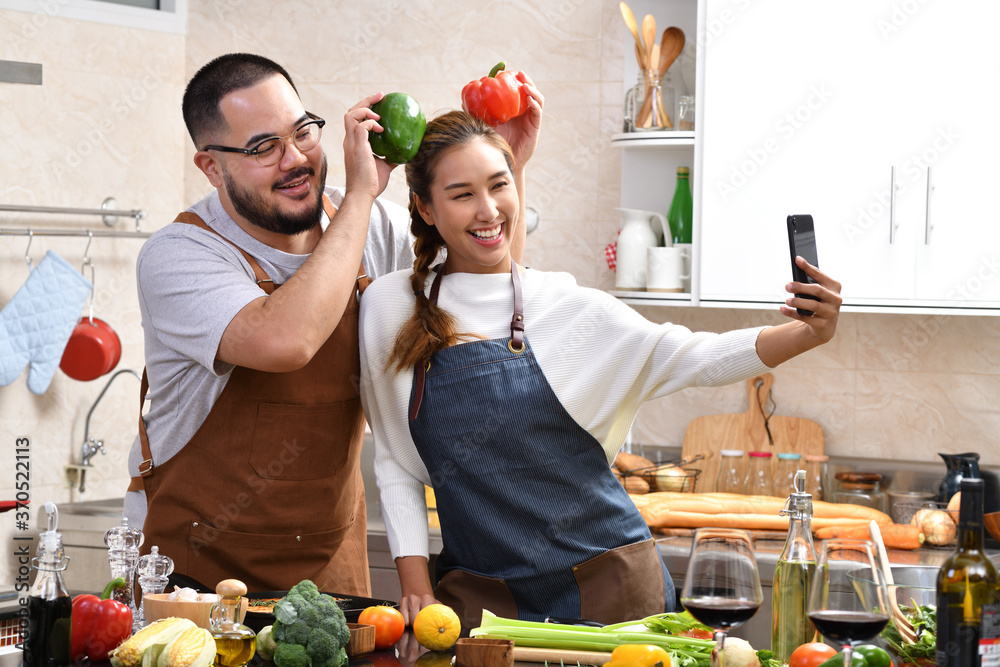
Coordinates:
x,y
195,647
144,647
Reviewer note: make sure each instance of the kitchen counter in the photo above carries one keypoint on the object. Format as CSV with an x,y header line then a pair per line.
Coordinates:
x,y
676,550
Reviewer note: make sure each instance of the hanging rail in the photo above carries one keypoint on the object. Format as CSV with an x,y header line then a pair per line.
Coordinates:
x,y
108,212
98,233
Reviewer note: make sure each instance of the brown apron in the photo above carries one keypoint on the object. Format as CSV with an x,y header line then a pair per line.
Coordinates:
x,y
269,489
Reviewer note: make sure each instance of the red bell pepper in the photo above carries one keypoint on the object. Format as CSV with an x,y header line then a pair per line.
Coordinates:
x,y
99,624
496,98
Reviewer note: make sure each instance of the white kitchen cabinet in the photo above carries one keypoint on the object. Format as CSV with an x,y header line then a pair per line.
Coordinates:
x,y
811,108
650,159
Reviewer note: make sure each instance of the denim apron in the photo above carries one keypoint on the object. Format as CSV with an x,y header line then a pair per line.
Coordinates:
x,y
533,521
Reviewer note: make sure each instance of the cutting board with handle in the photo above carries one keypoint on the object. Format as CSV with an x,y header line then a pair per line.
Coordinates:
x,y
749,431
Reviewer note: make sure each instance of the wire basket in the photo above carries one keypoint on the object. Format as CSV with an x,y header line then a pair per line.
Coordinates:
x,y
669,477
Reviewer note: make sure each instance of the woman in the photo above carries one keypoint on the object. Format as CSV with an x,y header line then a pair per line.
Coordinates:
x,y
509,391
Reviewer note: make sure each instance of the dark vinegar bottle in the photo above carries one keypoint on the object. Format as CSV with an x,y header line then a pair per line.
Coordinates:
x,y
968,597
47,641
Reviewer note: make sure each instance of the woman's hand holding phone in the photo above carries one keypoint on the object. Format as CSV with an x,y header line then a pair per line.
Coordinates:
x,y
826,307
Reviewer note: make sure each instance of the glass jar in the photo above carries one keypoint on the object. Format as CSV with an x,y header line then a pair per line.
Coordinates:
x,y
731,473
816,475
758,479
860,488
656,113
784,478
685,114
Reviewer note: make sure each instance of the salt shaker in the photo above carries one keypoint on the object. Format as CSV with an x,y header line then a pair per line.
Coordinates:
x,y
123,553
153,569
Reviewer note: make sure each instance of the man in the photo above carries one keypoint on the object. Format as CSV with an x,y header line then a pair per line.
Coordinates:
x,y
246,463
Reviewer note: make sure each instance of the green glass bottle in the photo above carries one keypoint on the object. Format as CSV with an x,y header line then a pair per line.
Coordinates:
x,y
681,209
968,591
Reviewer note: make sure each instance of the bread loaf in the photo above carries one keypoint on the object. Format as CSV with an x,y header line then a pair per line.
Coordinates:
x,y
731,510
628,462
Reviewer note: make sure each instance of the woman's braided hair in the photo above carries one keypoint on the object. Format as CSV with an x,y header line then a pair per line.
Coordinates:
x,y
431,328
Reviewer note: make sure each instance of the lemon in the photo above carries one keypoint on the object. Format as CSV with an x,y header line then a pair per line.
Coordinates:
x,y
437,627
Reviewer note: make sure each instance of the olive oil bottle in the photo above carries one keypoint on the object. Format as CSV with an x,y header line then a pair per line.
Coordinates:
x,y
968,592
235,643
790,624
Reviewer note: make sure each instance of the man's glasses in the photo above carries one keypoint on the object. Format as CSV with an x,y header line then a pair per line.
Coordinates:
x,y
270,151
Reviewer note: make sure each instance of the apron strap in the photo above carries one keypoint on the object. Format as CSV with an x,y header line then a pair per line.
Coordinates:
x,y
515,345
264,281
146,466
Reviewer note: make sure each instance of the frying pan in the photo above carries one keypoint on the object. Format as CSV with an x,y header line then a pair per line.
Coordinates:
x,y
352,605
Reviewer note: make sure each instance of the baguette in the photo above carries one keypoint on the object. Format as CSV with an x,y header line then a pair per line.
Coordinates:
x,y
665,509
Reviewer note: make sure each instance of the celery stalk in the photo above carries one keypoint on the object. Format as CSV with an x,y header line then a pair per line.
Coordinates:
x,y
689,651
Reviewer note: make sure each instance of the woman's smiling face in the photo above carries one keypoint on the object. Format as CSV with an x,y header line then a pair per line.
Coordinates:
x,y
474,206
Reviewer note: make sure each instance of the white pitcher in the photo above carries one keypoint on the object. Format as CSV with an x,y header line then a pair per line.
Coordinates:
x,y
636,237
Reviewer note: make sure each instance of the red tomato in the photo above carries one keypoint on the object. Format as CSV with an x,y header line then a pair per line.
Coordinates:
x,y
695,633
812,654
388,622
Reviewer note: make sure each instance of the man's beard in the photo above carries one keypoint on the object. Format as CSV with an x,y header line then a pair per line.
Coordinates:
x,y
265,214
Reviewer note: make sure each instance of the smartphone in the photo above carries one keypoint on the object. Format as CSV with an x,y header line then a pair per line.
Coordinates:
x,y
802,243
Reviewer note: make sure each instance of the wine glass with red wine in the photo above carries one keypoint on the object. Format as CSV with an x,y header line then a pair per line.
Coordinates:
x,y
835,607
722,585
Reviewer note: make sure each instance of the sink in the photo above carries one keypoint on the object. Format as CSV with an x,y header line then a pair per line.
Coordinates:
x,y
106,507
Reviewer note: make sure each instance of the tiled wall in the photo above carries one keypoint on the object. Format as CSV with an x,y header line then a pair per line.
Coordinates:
x,y
104,123
107,122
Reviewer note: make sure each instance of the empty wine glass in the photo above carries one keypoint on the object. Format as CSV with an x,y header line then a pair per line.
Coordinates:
x,y
838,610
722,585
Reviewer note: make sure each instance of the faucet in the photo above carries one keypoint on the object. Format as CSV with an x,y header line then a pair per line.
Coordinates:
x,y
93,445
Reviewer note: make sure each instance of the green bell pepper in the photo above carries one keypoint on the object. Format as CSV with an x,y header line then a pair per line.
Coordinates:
x,y
403,125
857,660
874,655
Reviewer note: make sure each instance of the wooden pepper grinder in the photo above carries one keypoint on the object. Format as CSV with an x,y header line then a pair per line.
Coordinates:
x,y
235,643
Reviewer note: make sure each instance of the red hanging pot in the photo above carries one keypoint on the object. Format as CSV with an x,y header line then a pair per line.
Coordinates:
x,y
93,350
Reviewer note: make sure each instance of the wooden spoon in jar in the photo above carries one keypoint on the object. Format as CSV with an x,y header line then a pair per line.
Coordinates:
x,y
671,45
649,39
633,28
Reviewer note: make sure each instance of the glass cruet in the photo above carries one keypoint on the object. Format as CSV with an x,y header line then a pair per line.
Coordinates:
x,y
154,570
235,643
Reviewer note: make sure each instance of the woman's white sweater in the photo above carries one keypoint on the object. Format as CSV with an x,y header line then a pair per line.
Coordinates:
x,y
601,358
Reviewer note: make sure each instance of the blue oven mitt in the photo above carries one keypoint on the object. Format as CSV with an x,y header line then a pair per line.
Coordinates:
x,y
37,322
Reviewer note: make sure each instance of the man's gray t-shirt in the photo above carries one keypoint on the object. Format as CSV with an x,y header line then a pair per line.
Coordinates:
x,y
191,285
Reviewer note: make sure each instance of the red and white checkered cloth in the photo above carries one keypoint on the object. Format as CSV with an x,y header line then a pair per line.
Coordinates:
x,y
611,254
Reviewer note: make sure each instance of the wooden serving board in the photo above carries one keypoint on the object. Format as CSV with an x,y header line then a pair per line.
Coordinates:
x,y
746,431
756,533
555,655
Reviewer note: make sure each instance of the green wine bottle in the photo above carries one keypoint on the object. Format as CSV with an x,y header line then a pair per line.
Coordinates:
x,y
968,592
681,212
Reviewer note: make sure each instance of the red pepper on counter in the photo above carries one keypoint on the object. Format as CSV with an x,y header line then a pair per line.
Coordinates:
x,y
496,98
99,624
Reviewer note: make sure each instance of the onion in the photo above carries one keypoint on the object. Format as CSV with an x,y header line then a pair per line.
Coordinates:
x,y
936,525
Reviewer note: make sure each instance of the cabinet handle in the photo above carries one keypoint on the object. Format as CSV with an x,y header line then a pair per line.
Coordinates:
x,y
927,213
892,207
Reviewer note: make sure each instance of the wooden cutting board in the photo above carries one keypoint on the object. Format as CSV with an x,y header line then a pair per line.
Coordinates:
x,y
557,656
748,431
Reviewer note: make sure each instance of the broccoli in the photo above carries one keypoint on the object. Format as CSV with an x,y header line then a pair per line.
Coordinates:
x,y
309,629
